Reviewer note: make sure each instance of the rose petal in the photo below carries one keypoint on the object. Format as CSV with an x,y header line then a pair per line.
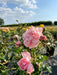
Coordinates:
x,y
26,55
30,69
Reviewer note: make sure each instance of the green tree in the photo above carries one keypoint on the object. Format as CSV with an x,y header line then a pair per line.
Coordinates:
x,y
55,22
1,21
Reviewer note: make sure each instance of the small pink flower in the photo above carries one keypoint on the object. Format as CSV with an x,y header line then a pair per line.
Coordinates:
x,y
43,37
31,37
25,63
16,36
17,43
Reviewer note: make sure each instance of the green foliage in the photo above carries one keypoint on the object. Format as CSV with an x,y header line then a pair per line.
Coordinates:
x,y
10,54
55,22
54,33
49,36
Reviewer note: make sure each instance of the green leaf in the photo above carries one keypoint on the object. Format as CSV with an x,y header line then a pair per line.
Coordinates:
x,y
49,69
3,71
45,58
1,57
44,68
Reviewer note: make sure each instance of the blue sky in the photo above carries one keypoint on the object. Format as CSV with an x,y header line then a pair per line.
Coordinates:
x,y
28,10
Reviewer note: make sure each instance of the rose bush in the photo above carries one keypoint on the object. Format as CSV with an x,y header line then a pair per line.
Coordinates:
x,y
20,51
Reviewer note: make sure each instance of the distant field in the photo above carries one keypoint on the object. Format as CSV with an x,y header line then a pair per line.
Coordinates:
x,y
55,27
7,27
51,26
17,26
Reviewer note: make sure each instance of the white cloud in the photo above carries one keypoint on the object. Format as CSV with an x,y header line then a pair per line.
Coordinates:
x,y
28,4
34,1
22,3
16,13
4,3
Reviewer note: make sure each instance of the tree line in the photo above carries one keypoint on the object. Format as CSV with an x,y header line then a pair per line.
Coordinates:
x,y
28,24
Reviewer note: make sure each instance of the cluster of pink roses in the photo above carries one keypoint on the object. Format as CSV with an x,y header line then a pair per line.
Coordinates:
x,y
25,63
31,39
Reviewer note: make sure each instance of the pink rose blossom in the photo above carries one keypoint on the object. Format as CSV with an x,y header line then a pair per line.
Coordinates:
x,y
17,43
31,37
25,63
26,55
43,37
